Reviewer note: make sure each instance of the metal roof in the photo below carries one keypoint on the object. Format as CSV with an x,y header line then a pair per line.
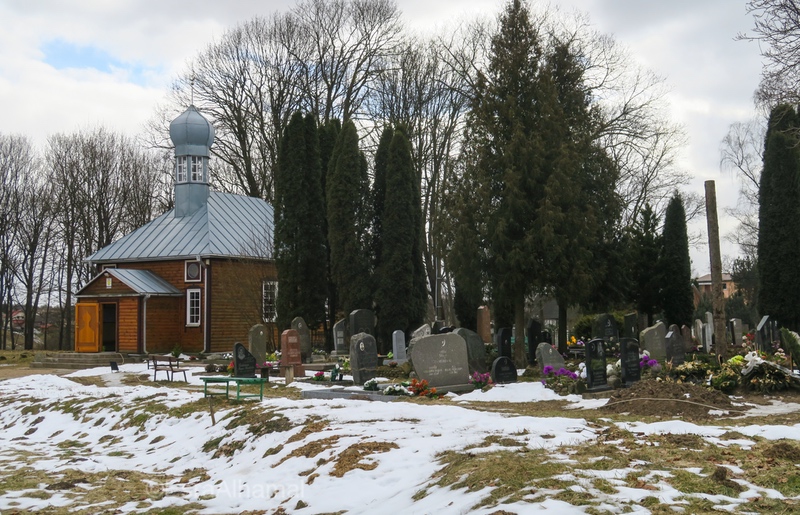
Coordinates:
x,y
143,282
227,226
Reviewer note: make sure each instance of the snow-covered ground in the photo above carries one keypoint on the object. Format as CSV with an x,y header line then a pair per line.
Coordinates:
x,y
294,468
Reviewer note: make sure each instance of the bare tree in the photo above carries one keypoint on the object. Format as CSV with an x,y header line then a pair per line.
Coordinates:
x,y
33,244
777,31
107,185
16,159
741,152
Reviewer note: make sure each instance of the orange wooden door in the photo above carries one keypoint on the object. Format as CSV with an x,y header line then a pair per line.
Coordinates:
x,y
87,328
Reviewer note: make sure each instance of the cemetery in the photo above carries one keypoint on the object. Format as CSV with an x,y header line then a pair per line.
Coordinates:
x,y
298,407
475,312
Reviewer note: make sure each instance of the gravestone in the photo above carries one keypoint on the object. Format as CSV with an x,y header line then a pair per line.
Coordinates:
x,y
441,359
484,324
534,333
675,348
419,332
503,371
299,325
399,347
686,334
362,321
291,355
502,340
697,332
476,350
763,334
546,355
340,339
363,357
605,327
596,378
735,327
630,326
708,336
547,337
244,363
257,342
437,327
654,341
629,360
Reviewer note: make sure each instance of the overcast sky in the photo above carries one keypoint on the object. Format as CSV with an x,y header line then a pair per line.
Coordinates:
x,y
67,65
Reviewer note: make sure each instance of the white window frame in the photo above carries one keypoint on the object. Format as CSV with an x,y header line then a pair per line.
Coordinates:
x,y
180,174
269,301
197,169
193,307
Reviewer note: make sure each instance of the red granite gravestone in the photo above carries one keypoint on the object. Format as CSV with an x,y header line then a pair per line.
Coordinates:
x,y
485,324
291,353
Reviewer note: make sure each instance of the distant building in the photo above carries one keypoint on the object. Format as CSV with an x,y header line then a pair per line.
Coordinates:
x,y
704,285
197,277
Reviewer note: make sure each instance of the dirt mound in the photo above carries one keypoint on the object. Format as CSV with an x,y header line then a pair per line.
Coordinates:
x,y
666,399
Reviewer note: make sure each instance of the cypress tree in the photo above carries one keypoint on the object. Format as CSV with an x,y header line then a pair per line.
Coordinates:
x,y
379,192
645,245
675,266
779,221
347,228
395,275
299,219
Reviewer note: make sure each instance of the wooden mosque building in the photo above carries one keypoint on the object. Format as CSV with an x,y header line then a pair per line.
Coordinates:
x,y
197,277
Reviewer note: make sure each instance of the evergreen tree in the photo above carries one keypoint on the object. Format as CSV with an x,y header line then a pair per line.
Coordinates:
x,y
299,219
675,266
645,245
347,228
395,293
779,221
543,192
379,191
466,302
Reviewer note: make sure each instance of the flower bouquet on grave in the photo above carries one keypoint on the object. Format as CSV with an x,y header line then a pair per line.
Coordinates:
x,y
319,376
562,381
481,381
231,368
371,385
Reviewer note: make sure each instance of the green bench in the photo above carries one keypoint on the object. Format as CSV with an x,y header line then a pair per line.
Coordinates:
x,y
239,382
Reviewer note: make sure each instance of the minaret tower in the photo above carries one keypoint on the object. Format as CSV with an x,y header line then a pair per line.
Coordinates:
x,y
192,136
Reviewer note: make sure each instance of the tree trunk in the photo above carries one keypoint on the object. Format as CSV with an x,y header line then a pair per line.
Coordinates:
x,y
520,360
562,327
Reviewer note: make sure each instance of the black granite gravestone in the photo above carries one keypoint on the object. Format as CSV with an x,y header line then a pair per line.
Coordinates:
x,y
503,370
630,326
629,360
244,363
596,365
534,333
502,340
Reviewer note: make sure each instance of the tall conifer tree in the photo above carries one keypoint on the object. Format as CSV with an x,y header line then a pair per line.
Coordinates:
x,y
779,220
676,266
395,295
299,222
542,193
347,192
645,245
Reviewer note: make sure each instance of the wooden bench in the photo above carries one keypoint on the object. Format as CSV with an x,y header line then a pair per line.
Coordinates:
x,y
239,382
170,365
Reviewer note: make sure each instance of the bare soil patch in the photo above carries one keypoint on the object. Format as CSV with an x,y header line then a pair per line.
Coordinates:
x,y
666,399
